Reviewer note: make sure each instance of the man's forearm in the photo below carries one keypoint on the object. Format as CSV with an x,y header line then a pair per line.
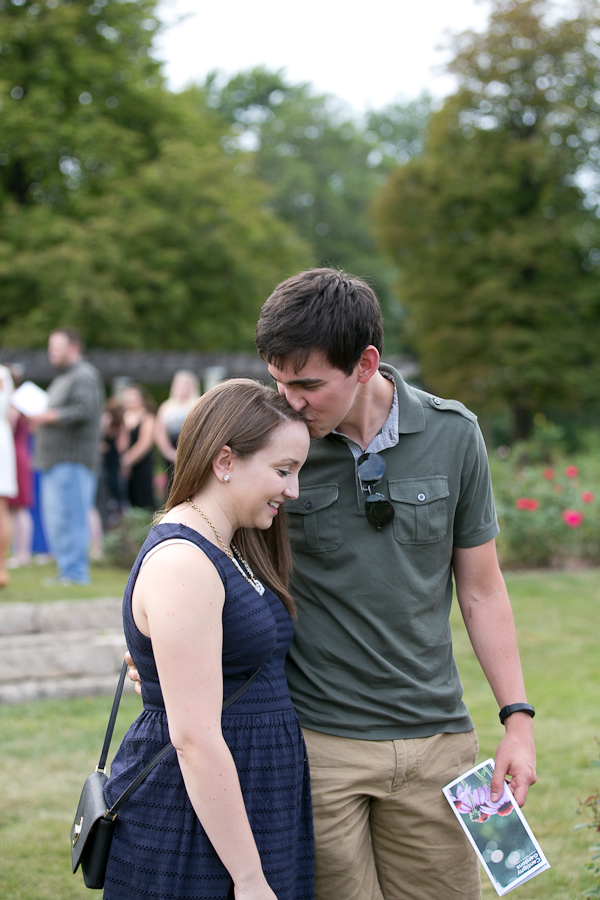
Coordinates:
x,y
489,621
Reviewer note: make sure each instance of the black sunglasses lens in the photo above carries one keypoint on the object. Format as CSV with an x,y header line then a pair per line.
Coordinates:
x,y
371,468
378,510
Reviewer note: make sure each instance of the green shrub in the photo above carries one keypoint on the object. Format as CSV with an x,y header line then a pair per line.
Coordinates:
x,y
549,515
122,543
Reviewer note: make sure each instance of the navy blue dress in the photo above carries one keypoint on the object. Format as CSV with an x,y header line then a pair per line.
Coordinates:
x,y
159,848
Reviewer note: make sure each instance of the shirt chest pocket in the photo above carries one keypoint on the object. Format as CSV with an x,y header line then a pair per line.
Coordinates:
x,y
313,519
420,508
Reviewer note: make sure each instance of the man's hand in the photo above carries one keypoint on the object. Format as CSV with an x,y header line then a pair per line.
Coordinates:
x,y
50,417
515,757
133,673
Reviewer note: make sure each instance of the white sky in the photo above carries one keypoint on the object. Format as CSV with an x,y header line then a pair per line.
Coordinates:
x,y
367,53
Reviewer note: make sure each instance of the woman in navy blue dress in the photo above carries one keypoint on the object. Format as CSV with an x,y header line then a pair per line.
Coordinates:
x,y
227,812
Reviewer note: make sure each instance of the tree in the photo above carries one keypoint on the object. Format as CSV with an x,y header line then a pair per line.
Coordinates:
x,y
494,228
324,167
120,211
81,96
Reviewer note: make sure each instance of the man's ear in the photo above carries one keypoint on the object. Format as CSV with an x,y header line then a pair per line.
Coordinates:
x,y
368,364
222,464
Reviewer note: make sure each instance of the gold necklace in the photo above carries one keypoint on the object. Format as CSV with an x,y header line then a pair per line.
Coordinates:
x,y
236,557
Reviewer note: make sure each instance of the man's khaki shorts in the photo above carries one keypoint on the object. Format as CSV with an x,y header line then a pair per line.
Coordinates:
x,y
383,828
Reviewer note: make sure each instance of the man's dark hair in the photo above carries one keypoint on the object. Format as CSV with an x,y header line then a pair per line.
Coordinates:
x,y
322,310
72,334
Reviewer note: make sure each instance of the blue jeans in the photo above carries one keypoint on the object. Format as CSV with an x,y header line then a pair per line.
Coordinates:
x,y
68,491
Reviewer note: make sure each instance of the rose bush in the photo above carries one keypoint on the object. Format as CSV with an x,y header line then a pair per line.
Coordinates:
x,y
548,515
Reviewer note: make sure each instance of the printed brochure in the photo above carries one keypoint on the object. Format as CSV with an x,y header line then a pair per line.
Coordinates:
x,y
498,832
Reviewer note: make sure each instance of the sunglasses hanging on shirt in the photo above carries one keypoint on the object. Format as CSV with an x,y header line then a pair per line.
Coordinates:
x,y
378,509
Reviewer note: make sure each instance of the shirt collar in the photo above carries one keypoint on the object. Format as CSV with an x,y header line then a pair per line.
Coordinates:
x,y
411,416
406,416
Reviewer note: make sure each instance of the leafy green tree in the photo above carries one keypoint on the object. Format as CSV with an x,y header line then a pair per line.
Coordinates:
x,y
324,167
81,96
120,211
494,228
181,256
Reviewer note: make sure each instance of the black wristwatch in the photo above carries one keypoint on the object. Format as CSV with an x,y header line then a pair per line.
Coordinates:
x,y
507,711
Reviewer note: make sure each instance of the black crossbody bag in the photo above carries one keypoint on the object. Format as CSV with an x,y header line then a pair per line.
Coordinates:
x,y
92,829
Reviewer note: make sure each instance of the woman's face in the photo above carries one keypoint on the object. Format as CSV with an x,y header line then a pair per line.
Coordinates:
x,y
132,399
181,389
260,484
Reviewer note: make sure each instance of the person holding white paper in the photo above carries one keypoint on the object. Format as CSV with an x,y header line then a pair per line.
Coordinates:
x,y
67,454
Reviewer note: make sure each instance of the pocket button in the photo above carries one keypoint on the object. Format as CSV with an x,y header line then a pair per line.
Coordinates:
x,y
421,497
308,504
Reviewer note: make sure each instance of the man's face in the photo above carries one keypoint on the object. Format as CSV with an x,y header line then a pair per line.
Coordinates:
x,y
61,352
322,393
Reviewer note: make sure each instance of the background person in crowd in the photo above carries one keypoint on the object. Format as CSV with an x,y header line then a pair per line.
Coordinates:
x,y
8,469
66,452
136,443
208,592
395,501
20,505
185,390
110,486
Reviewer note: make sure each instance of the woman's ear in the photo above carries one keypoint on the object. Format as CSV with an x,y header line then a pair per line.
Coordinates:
x,y
222,464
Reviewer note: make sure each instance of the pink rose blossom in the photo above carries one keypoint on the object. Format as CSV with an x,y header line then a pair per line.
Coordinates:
x,y
548,474
527,503
572,518
587,496
571,471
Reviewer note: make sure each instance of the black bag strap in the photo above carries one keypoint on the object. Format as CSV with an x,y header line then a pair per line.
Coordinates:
x,y
112,812
101,767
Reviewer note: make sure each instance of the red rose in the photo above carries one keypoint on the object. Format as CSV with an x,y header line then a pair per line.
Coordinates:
x,y
572,518
571,471
527,503
548,474
587,496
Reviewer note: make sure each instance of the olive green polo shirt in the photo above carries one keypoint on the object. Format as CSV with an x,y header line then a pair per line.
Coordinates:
x,y
372,653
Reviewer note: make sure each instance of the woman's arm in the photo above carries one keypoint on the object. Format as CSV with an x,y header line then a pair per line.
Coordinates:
x,y
178,602
161,436
142,446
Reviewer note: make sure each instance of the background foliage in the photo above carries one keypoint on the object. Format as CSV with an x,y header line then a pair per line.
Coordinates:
x,y
494,225
158,220
120,212
548,512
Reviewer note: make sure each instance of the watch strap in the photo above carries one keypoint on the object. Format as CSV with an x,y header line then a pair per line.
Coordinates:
x,y
507,711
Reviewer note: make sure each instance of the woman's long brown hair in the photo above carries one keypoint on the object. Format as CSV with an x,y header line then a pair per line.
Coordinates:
x,y
243,414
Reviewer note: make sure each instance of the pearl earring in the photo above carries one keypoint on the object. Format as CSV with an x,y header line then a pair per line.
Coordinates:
x,y
225,477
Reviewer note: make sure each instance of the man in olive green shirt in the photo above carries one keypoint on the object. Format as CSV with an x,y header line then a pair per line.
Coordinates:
x,y
371,669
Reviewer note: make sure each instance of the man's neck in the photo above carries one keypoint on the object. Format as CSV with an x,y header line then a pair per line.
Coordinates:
x,y
370,410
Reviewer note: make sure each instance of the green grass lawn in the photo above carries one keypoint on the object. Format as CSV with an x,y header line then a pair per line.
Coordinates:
x,y
48,748
557,620
26,585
